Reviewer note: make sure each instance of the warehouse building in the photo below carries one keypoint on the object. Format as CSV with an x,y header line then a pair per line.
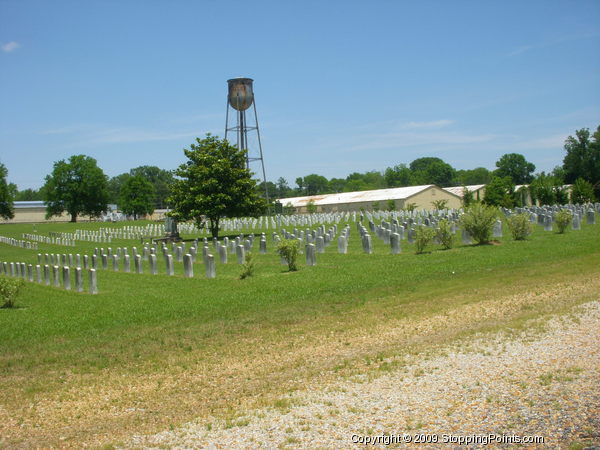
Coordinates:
x,y
478,190
422,197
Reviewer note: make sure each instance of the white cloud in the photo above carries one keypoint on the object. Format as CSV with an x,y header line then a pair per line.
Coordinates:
x,y
10,46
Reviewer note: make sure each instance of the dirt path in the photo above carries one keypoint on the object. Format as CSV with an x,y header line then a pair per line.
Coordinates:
x,y
538,385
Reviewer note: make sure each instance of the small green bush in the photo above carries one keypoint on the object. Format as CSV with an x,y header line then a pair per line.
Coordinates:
x,y
248,266
520,226
439,204
444,234
423,238
289,249
563,219
478,220
9,290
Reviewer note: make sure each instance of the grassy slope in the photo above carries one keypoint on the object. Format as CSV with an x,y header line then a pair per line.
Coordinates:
x,y
159,326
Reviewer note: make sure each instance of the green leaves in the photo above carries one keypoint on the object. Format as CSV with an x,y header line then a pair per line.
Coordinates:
x,y
78,186
214,183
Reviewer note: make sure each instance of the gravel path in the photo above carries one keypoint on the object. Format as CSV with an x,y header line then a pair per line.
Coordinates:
x,y
545,385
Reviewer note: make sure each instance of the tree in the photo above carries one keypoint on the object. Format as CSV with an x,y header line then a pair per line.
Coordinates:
x,y
583,191
28,195
515,166
159,178
398,176
583,158
430,170
499,192
78,186
315,184
479,175
282,188
137,197
214,183
115,184
6,197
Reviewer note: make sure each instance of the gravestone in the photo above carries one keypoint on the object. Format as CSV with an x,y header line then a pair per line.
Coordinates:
x,y
93,281
223,254
47,274
138,263
188,266
241,254
311,254
56,275
395,243
38,273
78,279
342,245
153,268
367,244
211,270
169,264
126,264
66,275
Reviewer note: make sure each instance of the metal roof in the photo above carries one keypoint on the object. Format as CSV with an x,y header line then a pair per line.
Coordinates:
x,y
458,190
400,193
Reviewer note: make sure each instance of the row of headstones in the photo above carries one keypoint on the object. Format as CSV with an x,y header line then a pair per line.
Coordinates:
x,y
49,240
50,275
18,243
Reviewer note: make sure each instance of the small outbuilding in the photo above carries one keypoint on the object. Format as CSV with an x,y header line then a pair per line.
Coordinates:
x,y
422,197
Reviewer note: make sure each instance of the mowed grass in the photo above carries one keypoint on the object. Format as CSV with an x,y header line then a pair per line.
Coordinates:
x,y
155,325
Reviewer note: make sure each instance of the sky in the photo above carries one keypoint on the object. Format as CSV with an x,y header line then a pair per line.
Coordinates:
x,y
340,86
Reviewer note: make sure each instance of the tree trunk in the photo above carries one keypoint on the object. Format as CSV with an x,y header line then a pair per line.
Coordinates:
x,y
73,217
214,227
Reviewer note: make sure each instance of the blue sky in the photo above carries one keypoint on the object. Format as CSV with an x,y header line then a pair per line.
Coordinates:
x,y
340,86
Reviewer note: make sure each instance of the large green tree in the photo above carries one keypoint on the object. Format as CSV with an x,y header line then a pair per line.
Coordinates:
x,y
500,192
398,176
6,197
77,186
137,197
214,183
583,158
161,179
431,170
478,175
515,166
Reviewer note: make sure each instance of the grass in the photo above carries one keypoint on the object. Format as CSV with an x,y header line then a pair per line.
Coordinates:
x,y
177,348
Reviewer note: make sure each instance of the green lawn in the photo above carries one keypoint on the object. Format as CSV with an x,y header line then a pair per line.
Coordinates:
x,y
148,324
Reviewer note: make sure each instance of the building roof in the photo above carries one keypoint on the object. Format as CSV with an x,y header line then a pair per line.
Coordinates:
x,y
458,190
29,204
376,195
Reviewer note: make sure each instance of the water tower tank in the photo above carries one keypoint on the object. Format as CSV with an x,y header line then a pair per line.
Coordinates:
x,y
240,93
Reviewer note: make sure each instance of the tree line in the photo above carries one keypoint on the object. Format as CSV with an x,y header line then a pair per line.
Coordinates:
x,y
79,187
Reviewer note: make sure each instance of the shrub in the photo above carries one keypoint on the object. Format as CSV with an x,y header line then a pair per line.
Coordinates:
x,y
289,249
248,266
423,238
563,220
520,226
311,208
439,204
582,192
478,220
9,290
444,234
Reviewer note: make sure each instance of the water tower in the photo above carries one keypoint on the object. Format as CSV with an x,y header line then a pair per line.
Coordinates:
x,y
240,97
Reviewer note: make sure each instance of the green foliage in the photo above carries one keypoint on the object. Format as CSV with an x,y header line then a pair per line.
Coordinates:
x,y
214,183
9,290
516,167
583,158
391,205
424,236
520,226
248,266
137,197
6,196
289,249
311,208
430,170
444,234
479,175
467,198
478,220
161,181
547,190
439,204
78,186
582,191
410,206
376,206
499,192
398,176
563,219
28,195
